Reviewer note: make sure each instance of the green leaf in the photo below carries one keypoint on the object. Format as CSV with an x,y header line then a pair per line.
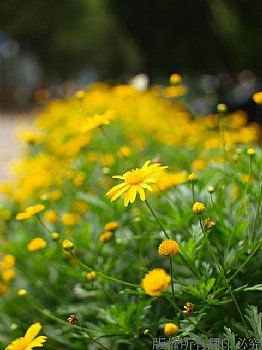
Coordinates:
x,y
256,287
231,339
255,320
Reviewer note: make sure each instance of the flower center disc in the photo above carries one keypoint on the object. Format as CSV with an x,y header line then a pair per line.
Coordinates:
x,y
135,177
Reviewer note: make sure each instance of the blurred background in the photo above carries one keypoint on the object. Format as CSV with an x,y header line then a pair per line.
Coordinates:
x,y
52,48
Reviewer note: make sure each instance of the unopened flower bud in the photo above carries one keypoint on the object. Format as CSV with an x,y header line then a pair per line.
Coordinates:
x,y
222,108
211,189
198,208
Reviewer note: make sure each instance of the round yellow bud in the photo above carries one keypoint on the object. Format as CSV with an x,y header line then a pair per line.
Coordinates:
x,y
106,236
211,189
192,178
251,152
111,226
257,97
55,236
222,108
21,292
170,329
91,275
198,208
80,94
168,248
67,245
175,79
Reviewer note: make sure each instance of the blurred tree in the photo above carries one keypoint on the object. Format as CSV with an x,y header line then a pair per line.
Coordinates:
x,y
69,35
119,37
195,36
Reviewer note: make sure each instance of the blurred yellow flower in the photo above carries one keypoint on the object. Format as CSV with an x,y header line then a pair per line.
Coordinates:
x,y
175,79
222,108
35,209
98,120
104,237
136,181
8,261
21,292
55,195
81,207
50,216
8,275
107,160
168,180
91,275
6,188
111,226
55,236
80,94
22,216
30,211
30,137
5,214
70,219
3,289
246,178
175,91
251,151
192,178
156,282
257,97
36,243
29,341
68,245
79,178
198,164
124,151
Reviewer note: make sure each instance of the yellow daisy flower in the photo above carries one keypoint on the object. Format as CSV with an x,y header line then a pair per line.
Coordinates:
x,y
29,341
136,180
168,247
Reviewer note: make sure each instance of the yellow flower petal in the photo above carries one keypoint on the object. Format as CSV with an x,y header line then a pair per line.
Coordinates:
x,y
32,331
37,342
133,191
141,193
119,192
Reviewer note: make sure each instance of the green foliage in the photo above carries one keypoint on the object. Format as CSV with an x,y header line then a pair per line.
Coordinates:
x,y
104,264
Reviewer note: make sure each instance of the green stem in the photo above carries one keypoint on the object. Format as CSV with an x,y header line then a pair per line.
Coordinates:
x,y
222,130
159,223
190,266
245,262
189,318
171,273
42,224
238,211
222,271
257,213
173,303
193,192
103,275
216,211
58,320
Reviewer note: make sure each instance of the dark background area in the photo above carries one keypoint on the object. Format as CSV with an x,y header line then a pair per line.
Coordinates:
x,y
69,43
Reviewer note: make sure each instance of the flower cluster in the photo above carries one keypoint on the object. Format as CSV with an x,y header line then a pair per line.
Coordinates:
x,y
111,250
